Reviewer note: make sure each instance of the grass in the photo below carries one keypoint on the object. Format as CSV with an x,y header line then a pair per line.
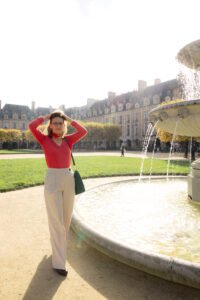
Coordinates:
x,y
21,173
20,151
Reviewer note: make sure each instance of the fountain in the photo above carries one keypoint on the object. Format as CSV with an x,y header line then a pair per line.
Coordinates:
x,y
184,116
152,226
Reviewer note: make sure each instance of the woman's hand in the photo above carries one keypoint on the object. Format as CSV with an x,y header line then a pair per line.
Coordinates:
x,y
47,117
68,119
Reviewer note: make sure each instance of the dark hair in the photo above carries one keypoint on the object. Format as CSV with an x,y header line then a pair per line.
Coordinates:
x,y
53,115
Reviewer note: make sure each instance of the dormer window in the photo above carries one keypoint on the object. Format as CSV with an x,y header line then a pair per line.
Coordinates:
x,y
167,98
107,110
113,108
137,105
94,112
120,106
15,116
128,105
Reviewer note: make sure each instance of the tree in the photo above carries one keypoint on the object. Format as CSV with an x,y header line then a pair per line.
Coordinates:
x,y
97,132
30,137
10,138
3,135
10,135
166,137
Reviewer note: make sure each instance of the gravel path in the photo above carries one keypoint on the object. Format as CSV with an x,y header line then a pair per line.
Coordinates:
x,y
106,153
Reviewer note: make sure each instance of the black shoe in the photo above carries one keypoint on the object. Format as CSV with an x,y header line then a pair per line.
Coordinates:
x,y
61,272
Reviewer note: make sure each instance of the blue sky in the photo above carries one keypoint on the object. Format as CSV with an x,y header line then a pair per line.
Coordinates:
x,y
64,51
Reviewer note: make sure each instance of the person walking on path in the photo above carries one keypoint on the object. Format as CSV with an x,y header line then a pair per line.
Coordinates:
x,y
59,186
122,150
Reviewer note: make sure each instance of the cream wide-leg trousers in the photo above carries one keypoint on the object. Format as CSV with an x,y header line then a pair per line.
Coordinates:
x,y
59,194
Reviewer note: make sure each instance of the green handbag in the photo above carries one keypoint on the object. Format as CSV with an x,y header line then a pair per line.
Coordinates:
x,y
79,185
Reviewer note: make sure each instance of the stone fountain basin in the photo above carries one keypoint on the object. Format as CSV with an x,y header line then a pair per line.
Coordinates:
x,y
183,116
91,222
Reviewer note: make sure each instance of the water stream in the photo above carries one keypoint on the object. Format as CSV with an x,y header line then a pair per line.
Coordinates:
x,y
145,146
152,156
171,148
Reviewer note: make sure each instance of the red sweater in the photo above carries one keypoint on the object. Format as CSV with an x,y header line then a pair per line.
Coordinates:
x,y
57,156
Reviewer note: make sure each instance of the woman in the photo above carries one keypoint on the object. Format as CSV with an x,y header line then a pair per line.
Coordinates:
x,y
59,187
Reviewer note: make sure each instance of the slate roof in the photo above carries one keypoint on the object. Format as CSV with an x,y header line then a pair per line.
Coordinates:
x,y
14,108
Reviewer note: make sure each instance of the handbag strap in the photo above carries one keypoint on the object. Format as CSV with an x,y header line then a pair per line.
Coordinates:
x,y
73,160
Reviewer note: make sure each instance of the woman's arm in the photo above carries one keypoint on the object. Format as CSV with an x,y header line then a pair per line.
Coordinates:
x,y
79,134
36,132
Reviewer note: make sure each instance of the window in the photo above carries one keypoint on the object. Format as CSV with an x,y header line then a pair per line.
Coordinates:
x,y
94,112
107,110
146,117
146,101
128,105
113,108
120,106
136,131
5,125
137,105
167,98
128,130
15,116
156,99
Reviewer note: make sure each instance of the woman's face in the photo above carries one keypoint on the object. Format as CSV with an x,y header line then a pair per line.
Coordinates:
x,y
57,125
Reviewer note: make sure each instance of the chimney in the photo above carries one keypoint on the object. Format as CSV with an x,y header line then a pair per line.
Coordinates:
x,y
62,107
111,95
157,81
141,85
33,105
90,101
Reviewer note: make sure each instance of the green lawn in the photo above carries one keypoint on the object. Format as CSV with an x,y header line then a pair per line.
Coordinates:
x,y
20,173
20,151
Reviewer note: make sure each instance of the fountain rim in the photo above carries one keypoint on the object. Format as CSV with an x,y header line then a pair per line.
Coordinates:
x,y
175,104
163,266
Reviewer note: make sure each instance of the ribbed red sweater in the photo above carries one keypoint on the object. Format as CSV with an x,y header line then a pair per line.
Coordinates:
x,y
57,156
